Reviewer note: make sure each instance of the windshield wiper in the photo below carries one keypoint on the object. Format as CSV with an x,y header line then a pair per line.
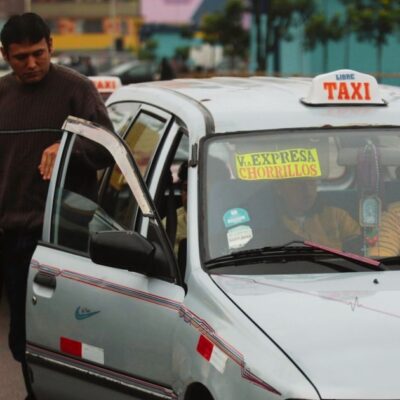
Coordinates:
x,y
393,260
295,246
361,260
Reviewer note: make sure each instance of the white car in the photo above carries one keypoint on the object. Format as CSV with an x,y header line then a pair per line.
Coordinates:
x,y
286,281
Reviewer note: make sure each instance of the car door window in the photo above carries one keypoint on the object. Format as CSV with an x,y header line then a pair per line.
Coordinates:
x,y
78,209
122,115
143,138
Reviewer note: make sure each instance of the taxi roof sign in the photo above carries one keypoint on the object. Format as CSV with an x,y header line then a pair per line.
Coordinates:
x,y
344,87
106,84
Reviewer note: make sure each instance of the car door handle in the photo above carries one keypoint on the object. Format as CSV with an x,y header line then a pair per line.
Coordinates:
x,y
46,280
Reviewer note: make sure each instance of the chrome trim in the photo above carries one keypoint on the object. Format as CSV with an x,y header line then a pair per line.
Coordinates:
x,y
51,191
106,379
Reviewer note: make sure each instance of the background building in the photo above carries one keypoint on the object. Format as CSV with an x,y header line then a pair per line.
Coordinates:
x,y
173,26
91,24
346,53
8,7
171,12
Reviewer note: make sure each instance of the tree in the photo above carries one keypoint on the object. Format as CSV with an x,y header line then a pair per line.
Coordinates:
x,y
147,51
226,28
374,21
282,15
258,8
320,29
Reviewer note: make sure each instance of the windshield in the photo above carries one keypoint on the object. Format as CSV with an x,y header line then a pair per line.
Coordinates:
x,y
334,187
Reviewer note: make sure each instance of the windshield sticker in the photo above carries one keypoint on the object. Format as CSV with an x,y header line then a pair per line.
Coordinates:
x,y
370,211
235,216
282,164
239,236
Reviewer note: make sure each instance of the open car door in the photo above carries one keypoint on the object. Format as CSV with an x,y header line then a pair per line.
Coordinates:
x,y
103,290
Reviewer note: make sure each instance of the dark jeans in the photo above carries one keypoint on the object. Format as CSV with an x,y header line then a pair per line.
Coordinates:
x,y
15,256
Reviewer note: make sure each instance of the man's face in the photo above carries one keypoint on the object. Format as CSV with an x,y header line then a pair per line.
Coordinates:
x,y
298,196
30,62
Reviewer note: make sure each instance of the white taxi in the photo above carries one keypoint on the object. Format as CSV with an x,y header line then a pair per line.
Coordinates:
x,y
284,282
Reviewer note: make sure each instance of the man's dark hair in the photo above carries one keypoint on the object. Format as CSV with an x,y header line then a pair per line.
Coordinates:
x,y
28,27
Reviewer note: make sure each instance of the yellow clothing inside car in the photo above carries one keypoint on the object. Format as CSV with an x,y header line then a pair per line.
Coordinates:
x,y
181,227
388,243
330,226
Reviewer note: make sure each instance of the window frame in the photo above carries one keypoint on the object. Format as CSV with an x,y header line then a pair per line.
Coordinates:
x,y
124,159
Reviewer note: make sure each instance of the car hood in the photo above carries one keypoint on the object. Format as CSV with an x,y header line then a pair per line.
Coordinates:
x,y
341,330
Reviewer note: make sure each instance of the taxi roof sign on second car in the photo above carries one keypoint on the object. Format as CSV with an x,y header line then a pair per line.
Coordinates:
x,y
106,84
345,87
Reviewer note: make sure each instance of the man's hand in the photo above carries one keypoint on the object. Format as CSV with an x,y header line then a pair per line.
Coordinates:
x,y
47,162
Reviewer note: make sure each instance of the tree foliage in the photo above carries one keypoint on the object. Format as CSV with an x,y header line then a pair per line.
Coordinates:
x,y
373,21
320,29
226,28
281,17
147,50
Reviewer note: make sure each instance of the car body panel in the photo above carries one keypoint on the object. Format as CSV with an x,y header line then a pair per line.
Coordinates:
x,y
83,299
338,339
272,101
239,336
235,367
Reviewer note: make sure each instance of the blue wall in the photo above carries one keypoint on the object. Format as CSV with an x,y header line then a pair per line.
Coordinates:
x,y
348,53
167,43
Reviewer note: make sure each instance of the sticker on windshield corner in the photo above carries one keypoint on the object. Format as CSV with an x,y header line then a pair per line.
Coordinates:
x,y
239,236
282,164
236,216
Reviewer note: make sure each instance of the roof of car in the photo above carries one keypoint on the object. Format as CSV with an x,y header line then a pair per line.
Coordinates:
x,y
259,103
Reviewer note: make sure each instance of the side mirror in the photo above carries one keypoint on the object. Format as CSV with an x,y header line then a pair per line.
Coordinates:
x,y
126,250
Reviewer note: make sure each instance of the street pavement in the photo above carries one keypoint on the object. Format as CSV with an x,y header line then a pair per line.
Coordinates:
x,y
11,382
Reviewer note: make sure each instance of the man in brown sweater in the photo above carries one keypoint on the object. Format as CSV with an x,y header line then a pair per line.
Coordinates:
x,y
36,96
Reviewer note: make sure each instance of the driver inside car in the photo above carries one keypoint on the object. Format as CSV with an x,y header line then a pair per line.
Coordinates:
x,y
304,217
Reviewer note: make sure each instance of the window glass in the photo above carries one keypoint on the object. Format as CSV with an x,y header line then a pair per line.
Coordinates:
x,y
122,115
171,200
143,138
117,199
79,210
336,188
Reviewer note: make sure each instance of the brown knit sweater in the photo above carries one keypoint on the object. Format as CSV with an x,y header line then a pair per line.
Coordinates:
x,y
30,120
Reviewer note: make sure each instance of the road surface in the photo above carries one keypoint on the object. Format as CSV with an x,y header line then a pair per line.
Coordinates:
x,y
11,382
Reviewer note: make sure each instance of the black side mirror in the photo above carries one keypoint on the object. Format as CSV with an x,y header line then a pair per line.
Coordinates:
x,y
123,250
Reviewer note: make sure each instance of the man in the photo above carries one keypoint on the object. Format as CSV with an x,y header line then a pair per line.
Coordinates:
x,y
304,218
39,96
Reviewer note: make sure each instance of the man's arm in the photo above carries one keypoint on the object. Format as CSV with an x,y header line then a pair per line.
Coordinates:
x,y
88,105
47,161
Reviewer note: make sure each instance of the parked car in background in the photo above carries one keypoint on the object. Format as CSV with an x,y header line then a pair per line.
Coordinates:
x,y
135,71
100,61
